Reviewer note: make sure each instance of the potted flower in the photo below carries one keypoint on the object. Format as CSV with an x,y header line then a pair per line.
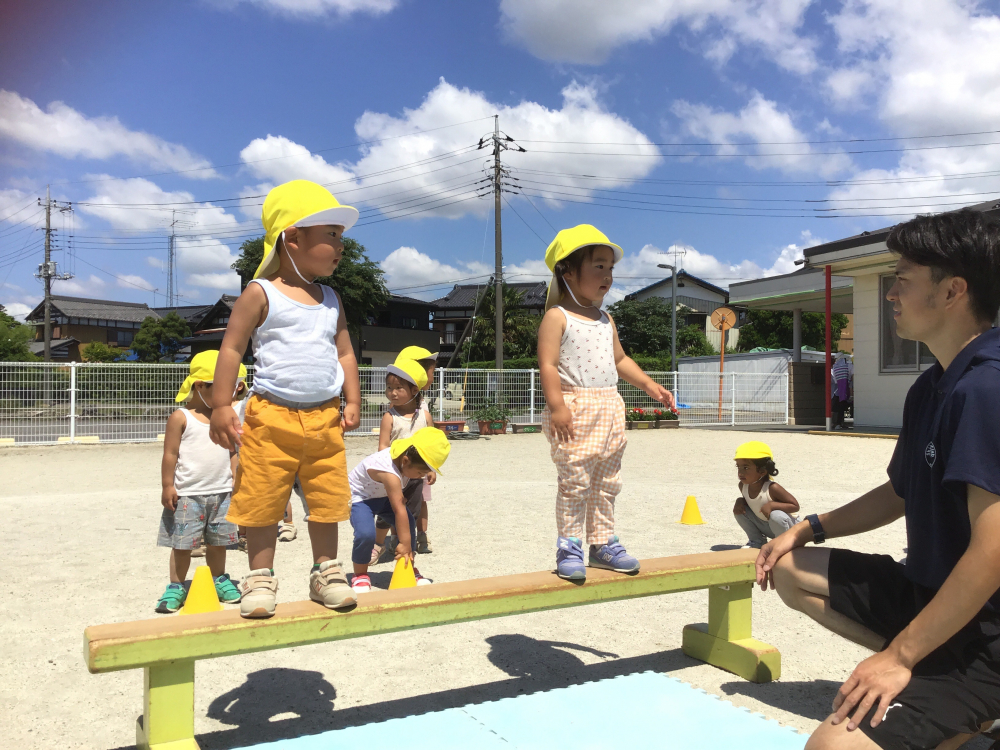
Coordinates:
x,y
639,419
492,419
666,419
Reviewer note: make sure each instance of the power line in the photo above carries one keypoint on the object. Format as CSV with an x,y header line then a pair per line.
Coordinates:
x,y
765,154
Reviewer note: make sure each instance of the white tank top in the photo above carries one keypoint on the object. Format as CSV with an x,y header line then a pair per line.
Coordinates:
x,y
363,487
404,426
294,348
755,503
203,468
587,353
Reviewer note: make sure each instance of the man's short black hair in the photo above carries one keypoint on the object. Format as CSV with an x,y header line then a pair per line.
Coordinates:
x,y
962,243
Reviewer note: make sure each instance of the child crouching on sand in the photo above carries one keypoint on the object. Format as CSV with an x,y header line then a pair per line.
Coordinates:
x,y
765,509
377,487
197,478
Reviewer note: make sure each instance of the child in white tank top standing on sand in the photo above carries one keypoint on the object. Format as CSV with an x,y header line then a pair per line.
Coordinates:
x,y
580,360
765,509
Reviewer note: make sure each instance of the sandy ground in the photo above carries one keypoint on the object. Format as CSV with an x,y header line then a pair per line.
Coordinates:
x,y
81,550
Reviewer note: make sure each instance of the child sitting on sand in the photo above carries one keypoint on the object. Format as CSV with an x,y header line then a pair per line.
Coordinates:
x,y
765,509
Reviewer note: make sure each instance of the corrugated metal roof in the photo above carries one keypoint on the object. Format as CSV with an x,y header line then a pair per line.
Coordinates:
x,y
464,295
101,309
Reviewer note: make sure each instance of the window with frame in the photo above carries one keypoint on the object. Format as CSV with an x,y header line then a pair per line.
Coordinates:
x,y
897,354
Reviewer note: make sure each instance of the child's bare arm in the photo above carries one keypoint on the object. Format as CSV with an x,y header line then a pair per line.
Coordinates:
x,y
630,372
248,312
171,450
781,499
550,334
385,431
351,392
394,491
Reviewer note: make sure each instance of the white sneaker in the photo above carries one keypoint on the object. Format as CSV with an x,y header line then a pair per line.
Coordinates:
x,y
287,532
328,586
260,593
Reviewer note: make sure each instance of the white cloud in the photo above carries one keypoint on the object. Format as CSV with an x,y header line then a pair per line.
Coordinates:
x,y
588,31
17,310
131,281
277,159
157,263
763,122
319,8
225,282
62,130
80,287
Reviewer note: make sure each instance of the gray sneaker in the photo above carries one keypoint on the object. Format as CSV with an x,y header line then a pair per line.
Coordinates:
x,y
328,586
260,592
423,543
388,551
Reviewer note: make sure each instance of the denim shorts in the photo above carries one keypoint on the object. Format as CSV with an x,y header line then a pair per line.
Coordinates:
x,y
199,519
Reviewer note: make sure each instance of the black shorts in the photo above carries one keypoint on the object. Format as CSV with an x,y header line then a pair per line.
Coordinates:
x,y
954,690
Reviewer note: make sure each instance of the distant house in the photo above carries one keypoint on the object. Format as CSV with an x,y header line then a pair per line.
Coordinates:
x,y
207,333
88,320
696,300
190,314
453,311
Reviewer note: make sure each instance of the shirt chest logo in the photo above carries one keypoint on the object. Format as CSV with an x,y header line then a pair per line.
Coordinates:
x,y
930,454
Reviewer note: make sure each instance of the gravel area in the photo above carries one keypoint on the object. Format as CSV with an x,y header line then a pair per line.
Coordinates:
x,y
82,551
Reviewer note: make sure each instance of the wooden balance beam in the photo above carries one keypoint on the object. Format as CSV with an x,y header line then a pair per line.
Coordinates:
x,y
167,648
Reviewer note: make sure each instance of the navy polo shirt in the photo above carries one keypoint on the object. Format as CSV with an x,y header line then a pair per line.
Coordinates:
x,y
950,438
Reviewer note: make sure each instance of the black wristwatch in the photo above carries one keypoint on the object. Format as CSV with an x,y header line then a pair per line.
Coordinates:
x,y
819,534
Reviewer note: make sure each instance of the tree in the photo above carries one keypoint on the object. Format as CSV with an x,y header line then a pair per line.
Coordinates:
x,y
520,328
644,330
772,329
359,280
14,339
160,337
97,351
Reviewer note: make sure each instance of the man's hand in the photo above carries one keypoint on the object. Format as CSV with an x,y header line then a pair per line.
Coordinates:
x,y
562,424
350,418
403,550
431,477
771,552
224,428
168,497
878,679
740,508
663,395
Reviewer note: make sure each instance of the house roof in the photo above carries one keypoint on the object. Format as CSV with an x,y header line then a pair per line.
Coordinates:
x,y
190,313
877,236
682,275
464,295
82,307
38,347
404,300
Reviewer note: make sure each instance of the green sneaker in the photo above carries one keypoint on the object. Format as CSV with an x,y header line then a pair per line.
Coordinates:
x,y
226,589
172,599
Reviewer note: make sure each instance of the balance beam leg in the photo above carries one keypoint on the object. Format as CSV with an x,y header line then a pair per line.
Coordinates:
x,y
726,641
167,721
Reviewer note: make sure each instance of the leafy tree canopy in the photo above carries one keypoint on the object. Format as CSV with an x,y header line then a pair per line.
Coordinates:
x,y
160,337
98,351
644,330
14,339
359,280
520,328
772,329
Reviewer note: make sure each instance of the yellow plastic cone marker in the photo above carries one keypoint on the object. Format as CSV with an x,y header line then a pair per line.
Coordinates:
x,y
403,576
201,596
691,515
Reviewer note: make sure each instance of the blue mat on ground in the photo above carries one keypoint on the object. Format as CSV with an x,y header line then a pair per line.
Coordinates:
x,y
620,712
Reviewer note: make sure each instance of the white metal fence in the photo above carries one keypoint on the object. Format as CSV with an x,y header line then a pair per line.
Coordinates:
x,y
49,403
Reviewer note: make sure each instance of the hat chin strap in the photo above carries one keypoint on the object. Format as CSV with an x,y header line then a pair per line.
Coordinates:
x,y
292,261
568,289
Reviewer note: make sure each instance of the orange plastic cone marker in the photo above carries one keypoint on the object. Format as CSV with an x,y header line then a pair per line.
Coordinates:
x,y
201,596
403,576
691,515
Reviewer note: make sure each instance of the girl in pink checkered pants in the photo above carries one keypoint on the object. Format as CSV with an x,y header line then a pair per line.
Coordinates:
x,y
581,360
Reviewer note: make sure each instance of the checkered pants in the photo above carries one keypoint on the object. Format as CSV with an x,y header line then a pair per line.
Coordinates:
x,y
590,466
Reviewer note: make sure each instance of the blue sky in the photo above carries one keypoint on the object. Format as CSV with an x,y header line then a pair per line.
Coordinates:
x,y
199,106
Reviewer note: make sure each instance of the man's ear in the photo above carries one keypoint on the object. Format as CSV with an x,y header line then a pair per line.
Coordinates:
x,y
957,287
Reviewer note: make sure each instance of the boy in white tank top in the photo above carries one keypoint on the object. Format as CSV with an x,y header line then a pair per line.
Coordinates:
x,y
305,371
764,510
580,360
197,479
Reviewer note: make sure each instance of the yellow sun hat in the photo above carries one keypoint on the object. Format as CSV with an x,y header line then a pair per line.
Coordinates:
x,y
753,449
430,442
567,242
408,370
299,203
202,368
416,353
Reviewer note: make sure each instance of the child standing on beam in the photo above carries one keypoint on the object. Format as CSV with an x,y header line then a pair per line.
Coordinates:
x,y
581,359
197,479
306,393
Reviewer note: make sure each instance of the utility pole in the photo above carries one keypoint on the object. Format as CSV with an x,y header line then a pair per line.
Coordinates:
x,y
47,270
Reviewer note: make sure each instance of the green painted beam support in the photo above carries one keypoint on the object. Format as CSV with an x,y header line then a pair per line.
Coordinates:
x,y
167,721
726,641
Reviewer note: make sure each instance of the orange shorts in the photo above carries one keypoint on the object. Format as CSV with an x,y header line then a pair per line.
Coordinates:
x,y
280,442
